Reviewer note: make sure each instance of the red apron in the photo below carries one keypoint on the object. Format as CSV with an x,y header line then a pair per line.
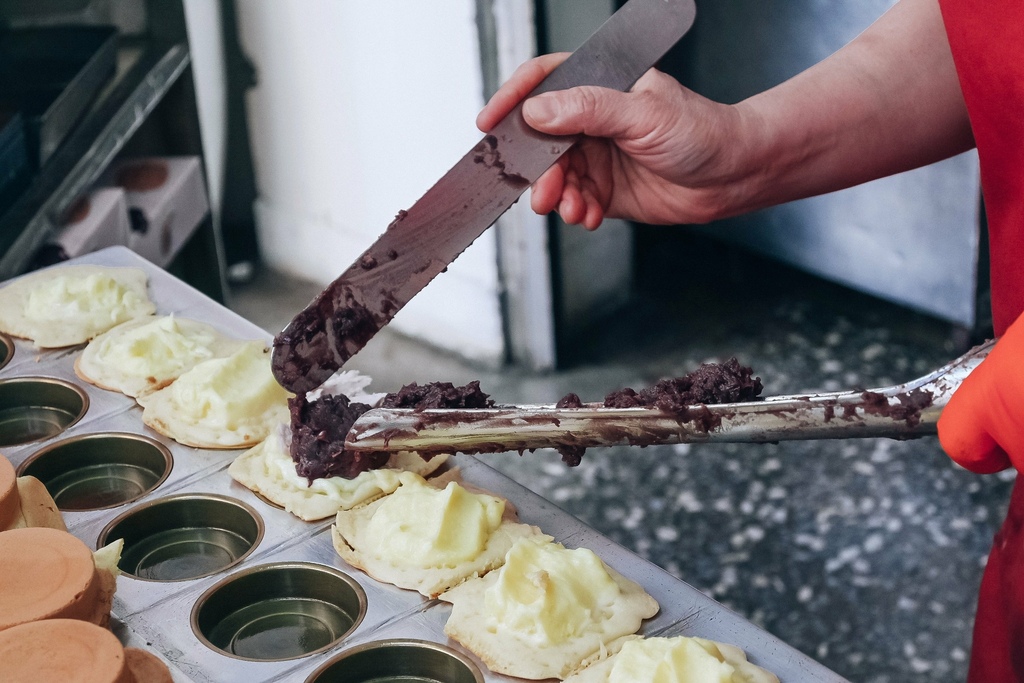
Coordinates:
x,y
987,40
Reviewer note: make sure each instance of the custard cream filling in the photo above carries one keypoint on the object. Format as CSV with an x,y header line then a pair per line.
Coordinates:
x,y
161,348
672,660
281,467
423,527
229,390
547,594
66,298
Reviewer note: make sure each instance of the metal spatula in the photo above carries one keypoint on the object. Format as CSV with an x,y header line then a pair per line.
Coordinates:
x,y
901,411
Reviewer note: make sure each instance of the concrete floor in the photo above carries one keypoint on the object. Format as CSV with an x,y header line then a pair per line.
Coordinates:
x,y
865,554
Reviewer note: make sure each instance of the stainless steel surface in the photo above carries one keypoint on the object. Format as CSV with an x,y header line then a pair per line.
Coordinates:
x,y
99,470
37,408
183,537
156,615
388,660
911,238
274,612
900,411
422,241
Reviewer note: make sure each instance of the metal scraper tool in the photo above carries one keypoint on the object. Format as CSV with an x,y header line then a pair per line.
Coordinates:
x,y
902,411
422,241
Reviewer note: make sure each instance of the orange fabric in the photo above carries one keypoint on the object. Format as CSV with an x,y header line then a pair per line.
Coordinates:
x,y
982,428
987,40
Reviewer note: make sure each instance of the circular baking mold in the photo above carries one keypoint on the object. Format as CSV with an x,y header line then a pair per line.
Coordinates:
x,y
278,611
37,408
183,537
100,470
398,660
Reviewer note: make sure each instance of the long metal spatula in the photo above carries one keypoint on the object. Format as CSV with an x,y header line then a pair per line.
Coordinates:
x,y
901,411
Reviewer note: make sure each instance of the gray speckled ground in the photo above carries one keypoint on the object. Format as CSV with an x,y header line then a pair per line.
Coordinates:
x,y
865,554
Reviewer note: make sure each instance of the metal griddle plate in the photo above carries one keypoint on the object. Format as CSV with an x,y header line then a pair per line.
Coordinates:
x,y
155,616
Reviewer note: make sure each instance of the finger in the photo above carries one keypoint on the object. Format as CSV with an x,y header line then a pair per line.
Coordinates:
x,y
518,86
547,190
594,215
572,208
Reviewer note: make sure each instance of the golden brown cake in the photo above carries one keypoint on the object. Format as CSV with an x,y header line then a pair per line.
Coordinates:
x,y
50,574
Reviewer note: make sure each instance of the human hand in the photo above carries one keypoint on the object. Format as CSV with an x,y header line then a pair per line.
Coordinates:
x,y
982,426
656,154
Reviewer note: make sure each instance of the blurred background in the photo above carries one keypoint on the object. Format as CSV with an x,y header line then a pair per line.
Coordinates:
x,y
256,148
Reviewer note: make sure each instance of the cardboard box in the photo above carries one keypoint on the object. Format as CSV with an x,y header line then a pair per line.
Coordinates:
x,y
166,199
97,220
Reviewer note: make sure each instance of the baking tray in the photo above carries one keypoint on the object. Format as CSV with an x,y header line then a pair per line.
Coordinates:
x,y
51,74
157,615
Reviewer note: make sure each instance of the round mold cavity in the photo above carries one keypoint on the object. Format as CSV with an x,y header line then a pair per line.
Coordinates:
x,y
409,661
279,611
6,350
101,470
183,537
37,408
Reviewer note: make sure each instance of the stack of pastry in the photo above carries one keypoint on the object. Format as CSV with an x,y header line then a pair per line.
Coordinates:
x,y
25,502
62,650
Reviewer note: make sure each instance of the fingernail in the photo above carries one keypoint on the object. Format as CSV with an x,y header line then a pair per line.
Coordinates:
x,y
541,108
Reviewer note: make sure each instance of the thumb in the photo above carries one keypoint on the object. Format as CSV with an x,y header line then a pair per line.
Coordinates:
x,y
591,110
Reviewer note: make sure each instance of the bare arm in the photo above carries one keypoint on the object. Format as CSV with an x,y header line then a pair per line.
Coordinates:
x,y
887,102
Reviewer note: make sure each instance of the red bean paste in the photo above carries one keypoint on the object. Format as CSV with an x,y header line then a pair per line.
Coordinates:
x,y
319,427
684,397
711,383
318,438
438,395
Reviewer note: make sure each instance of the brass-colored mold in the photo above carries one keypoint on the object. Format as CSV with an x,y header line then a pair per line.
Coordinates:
x,y
278,611
37,408
398,660
101,470
183,537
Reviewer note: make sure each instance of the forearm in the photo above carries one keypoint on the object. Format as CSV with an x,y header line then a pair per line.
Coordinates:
x,y
887,102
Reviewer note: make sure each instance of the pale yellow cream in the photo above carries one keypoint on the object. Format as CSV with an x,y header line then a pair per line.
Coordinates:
x,y
341,492
672,660
161,348
420,526
96,299
228,391
547,594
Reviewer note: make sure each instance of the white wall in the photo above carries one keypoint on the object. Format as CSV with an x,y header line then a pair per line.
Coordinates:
x,y
360,108
206,47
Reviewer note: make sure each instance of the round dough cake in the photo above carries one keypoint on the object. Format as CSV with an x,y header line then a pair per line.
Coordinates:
x,y
537,592
268,469
72,651
358,542
695,660
47,574
147,354
69,305
231,402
